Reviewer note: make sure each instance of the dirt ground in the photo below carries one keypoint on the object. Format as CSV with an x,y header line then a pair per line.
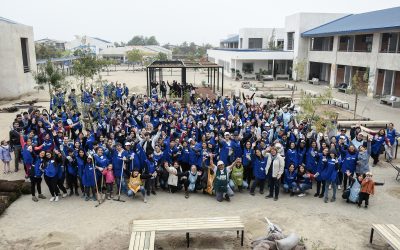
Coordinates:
x,y
73,223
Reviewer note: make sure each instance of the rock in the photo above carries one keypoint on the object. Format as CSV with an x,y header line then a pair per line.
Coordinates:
x,y
12,196
26,188
2,207
10,187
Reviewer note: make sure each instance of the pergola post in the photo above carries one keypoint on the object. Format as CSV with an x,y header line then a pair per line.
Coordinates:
x,y
222,89
218,78
214,78
147,80
183,76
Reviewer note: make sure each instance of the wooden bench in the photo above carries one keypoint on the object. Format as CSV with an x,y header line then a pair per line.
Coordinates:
x,y
311,93
267,77
370,124
190,225
314,81
344,90
290,86
282,76
142,240
395,103
389,232
339,103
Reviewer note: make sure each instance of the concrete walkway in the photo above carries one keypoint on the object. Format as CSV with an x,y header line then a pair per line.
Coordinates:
x,y
367,107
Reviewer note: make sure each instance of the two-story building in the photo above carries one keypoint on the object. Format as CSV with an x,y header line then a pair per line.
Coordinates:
x,y
366,43
273,50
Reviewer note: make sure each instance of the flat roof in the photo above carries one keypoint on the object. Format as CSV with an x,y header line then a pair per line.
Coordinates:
x,y
373,21
183,64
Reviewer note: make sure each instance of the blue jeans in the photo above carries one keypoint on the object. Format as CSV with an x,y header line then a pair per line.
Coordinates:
x,y
123,185
290,187
303,187
233,186
326,194
132,194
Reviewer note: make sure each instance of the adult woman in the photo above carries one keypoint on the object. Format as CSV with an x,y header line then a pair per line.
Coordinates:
x,y
289,183
35,175
274,171
321,167
50,176
248,154
237,181
192,181
349,164
259,164
392,136
329,176
304,180
377,143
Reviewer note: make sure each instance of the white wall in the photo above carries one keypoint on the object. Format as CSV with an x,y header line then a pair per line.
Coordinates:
x,y
87,40
264,33
301,22
13,81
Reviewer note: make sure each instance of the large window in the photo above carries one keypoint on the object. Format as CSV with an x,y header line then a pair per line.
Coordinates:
x,y
25,53
346,43
321,43
290,39
363,43
248,68
255,43
390,43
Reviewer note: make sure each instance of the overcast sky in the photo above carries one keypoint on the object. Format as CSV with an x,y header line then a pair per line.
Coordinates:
x,y
173,21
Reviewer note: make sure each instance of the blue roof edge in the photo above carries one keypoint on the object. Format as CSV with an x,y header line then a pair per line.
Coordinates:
x,y
304,33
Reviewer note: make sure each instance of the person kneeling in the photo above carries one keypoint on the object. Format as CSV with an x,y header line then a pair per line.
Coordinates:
x,y
192,181
221,180
136,184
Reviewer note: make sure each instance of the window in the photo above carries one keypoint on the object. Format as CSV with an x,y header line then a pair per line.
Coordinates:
x,y
255,43
290,39
25,58
248,68
280,44
389,42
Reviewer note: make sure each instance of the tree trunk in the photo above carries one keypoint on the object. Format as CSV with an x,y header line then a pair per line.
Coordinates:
x,y
355,106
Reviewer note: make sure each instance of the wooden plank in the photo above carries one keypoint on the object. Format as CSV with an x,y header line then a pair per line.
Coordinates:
x,y
384,231
132,241
152,240
141,242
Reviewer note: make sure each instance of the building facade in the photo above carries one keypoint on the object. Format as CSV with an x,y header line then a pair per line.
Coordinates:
x,y
60,45
269,50
367,44
93,44
17,60
120,53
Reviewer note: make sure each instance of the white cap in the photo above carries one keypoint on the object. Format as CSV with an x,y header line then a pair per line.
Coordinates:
x,y
267,124
127,143
227,133
220,163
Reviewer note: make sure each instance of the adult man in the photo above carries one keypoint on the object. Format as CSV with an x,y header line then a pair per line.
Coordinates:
x,y
15,143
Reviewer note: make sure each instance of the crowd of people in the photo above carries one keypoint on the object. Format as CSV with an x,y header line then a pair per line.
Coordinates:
x,y
115,143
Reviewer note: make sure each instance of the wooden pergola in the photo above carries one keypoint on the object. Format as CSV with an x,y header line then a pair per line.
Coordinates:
x,y
154,72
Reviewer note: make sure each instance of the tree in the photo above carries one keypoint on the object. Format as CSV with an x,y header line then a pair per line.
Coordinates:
x,y
44,51
135,56
161,56
271,42
151,41
105,63
308,106
87,66
358,86
51,76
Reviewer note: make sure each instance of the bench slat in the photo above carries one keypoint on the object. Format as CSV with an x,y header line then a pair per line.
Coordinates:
x,y
386,233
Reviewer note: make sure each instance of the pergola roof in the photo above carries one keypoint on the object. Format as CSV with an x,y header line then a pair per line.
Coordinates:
x,y
183,64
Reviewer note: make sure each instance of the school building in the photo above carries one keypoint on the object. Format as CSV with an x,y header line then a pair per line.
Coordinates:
x,y
332,47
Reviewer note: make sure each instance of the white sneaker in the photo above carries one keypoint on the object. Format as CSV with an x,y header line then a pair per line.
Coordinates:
x,y
330,187
339,187
56,198
64,195
52,199
301,195
145,200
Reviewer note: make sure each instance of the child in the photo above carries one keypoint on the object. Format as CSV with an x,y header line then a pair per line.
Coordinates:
x,y
5,156
367,188
109,174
